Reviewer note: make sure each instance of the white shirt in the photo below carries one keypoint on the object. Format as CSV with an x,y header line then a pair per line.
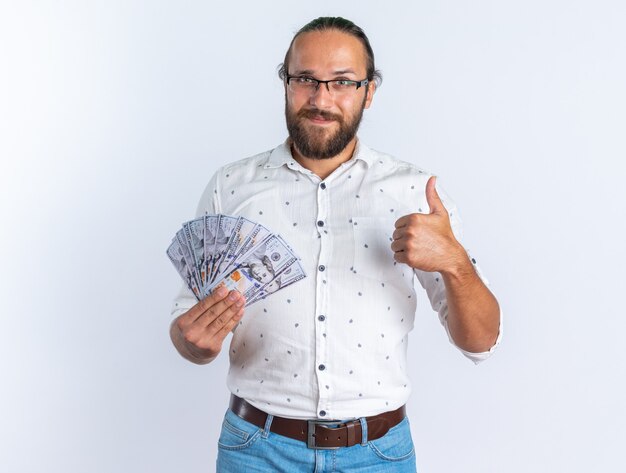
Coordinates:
x,y
333,345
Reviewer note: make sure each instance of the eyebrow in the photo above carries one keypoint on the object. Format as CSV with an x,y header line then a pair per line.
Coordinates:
x,y
336,73
345,71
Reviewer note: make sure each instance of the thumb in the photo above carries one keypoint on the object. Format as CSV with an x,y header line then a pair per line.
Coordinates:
x,y
432,197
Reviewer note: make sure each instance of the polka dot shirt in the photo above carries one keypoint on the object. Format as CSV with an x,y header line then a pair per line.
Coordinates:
x,y
332,346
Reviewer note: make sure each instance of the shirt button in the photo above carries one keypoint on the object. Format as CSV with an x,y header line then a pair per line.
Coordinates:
x,y
323,185
322,267
322,413
321,367
320,223
321,318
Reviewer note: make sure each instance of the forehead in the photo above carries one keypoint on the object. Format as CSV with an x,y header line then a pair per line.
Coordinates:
x,y
327,52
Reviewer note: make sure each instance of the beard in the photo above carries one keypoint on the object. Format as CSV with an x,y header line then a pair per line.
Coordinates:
x,y
319,142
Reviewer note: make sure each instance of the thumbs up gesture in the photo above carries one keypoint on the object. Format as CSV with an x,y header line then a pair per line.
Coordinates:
x,y
426,241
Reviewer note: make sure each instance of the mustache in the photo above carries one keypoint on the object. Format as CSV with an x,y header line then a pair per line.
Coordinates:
x,y
315,112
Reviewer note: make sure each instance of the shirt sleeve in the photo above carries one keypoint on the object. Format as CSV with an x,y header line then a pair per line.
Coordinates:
x,y
209,204
436,291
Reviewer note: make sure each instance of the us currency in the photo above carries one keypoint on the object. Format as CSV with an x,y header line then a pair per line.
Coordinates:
x,y
272,253
210,233
182,240
257,236
233,251
240,233
291,274
177,257
259,266
240,279
225,227
194,233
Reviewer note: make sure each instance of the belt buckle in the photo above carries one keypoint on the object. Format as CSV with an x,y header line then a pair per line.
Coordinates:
x,y
311,433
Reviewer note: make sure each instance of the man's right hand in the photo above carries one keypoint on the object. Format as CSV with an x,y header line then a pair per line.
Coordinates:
x,y
198,334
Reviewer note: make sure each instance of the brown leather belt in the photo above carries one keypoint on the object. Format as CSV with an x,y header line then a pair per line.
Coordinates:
x,y
320,434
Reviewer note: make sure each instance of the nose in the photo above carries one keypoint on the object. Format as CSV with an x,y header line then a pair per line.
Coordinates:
x,y
321,97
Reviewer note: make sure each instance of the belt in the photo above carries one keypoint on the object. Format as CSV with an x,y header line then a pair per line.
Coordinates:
x,y
320,434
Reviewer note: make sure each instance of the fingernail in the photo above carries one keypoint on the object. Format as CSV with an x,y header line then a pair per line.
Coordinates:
x,y
233,296
221,291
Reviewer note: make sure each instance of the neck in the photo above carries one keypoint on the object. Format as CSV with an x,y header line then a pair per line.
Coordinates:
x,y
323,167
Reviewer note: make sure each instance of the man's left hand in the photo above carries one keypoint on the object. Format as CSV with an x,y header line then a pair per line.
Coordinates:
x,y
426,241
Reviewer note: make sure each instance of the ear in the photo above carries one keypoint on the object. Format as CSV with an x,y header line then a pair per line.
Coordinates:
x,y
371,88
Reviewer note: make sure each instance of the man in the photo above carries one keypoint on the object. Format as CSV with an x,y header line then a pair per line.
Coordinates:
x,y
322,364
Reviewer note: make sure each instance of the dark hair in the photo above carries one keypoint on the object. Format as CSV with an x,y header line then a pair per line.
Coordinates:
x,y
325,23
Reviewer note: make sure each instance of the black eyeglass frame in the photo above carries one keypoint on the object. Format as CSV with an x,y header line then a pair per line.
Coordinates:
x,y
357,83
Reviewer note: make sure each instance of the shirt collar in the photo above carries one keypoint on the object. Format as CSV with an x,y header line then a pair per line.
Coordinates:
x,y
281,155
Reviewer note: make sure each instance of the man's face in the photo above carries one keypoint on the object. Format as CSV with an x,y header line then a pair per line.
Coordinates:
x,y
321,124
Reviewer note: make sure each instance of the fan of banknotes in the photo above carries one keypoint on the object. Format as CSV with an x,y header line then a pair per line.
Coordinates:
x,y
216,250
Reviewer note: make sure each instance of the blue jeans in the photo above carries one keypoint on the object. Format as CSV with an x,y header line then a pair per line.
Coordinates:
x,y
243,447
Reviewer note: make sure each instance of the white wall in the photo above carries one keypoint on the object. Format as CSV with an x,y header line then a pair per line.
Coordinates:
x,y
114,114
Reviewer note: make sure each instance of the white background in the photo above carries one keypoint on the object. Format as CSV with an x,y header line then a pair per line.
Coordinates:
x,y
113,115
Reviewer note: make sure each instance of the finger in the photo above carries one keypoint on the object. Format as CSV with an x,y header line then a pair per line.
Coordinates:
x,y
224,319
205,304
398,246
217,295
402,222
213,313
432,197
399,233
400,256
202,338
230,325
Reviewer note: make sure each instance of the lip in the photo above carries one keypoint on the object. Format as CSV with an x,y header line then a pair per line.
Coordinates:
x,y
320,120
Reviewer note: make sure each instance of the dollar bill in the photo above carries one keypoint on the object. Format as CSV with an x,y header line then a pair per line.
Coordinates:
x,y
194,234
225,227
235,252
267,259
262,264
291,274
177,257
242,229
255,237
210,234
241,280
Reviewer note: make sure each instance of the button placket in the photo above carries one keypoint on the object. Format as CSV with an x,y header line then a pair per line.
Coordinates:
x,y
321,299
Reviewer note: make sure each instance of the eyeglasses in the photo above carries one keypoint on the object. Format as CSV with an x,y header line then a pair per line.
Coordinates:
x,y
299,84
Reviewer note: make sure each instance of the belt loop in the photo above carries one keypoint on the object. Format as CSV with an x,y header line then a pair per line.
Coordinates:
x,y
363,431
268,426
351,431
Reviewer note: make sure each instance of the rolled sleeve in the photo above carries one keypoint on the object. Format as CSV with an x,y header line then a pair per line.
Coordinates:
x,y
436,292
435,288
